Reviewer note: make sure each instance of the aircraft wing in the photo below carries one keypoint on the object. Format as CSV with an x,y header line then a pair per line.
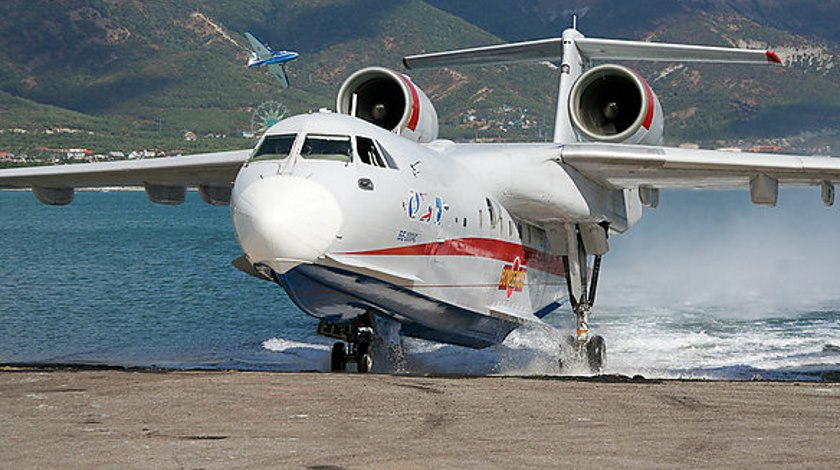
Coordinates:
x,y
279,72
257,46
216,170
630,166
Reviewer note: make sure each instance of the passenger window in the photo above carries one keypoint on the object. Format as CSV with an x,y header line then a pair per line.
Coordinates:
x,y
274,147
327,147
492,212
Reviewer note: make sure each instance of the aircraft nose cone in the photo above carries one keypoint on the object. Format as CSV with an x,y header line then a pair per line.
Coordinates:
x,y
285,221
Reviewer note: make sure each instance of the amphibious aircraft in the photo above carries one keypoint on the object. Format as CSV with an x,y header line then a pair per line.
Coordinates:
x,y
263,55
378,228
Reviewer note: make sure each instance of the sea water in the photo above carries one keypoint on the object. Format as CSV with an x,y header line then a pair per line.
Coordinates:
x,y
706,286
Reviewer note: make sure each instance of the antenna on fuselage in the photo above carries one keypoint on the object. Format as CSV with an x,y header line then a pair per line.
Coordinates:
x,y
574,22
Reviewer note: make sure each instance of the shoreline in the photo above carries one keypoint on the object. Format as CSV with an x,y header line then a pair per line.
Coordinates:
x,y
821,377
229,419
92,189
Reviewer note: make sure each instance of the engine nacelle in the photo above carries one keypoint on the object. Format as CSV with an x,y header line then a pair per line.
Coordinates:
x,y
391,101
611,103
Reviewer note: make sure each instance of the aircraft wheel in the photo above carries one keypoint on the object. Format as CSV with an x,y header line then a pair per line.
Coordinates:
x,y
596,353
364,360
338,357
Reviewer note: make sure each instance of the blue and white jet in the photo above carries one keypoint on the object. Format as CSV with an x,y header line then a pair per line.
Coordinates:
x,y
262,54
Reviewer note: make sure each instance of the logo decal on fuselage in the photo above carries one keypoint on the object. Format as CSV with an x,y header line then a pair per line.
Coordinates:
x,y
513,277
417,209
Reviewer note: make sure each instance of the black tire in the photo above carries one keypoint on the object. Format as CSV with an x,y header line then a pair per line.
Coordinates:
x,y
364,360
338,357
596,353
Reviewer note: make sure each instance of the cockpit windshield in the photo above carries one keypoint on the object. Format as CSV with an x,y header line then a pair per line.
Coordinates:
x,y
327,147
275,147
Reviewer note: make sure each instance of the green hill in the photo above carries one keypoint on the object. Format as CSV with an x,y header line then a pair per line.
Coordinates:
x,y
123,74
705,102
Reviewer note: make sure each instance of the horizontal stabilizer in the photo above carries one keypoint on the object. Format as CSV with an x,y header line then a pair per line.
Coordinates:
x,y
544,49
589,48
636,50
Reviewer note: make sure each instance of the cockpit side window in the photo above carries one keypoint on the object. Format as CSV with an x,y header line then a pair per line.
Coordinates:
x,y
327,147
370,153
389,160
275,147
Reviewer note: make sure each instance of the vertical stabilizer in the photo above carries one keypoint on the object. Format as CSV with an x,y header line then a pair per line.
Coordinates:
x,y
571,67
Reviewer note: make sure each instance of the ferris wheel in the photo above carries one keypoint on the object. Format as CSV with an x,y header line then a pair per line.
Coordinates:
x,y
267,114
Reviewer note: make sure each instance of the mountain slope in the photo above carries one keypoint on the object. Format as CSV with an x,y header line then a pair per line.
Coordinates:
x,y
149,71
705,102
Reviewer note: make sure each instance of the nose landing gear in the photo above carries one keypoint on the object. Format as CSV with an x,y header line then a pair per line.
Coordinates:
x,y
359,335
357,350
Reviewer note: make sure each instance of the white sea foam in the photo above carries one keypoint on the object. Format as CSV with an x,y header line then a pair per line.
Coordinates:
x,y
311,353
663,345
526,351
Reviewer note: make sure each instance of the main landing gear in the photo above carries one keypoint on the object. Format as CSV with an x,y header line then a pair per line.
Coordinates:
x,y
358,336
583,348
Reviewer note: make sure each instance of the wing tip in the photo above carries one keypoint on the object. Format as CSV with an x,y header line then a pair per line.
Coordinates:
x,y
405,63
773,57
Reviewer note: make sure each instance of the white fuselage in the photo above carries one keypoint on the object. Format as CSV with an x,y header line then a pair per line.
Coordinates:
x,y
423,236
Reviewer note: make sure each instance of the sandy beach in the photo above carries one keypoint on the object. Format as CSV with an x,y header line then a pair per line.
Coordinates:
x,y
208,420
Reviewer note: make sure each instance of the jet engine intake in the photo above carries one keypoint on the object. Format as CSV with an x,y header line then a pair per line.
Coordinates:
x,y
390,100
611,103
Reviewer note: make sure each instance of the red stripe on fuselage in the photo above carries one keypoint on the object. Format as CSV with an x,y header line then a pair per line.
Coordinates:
x,y
478,247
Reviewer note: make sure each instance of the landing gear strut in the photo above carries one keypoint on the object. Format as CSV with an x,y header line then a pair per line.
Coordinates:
x,y
359,335
591,350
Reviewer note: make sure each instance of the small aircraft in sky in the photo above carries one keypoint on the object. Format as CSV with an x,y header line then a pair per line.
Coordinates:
x,y
274,61
380,229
